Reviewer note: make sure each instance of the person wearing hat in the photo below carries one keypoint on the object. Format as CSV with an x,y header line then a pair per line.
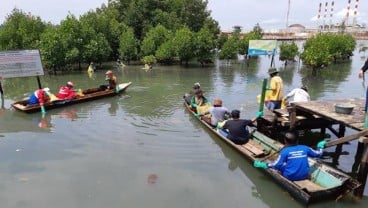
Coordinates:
x,y
292,161
40,96
217,112
67,91
276,87
235,129
110,77
188,96
298,95
198,99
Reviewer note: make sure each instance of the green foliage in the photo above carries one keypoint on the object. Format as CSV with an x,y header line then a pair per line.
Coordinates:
x,y
184,44
322,49
230,49
288,51
154,38
149,60
205,44
128,45
166,52
21,31
53,48
126,29
221,40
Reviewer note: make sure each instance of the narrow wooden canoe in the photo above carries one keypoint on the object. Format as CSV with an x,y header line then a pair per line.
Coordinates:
x,y
325,182
89,94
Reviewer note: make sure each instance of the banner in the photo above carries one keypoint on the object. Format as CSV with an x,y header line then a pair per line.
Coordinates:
x,y
24,63
262,47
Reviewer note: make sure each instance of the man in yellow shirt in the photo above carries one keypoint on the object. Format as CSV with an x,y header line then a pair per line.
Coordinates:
x,y
276,87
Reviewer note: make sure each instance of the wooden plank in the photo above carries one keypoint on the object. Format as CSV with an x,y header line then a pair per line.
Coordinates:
x,y
254,148
347,138
309,185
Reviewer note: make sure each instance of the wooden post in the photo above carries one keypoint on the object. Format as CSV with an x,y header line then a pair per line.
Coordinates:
x,y
39,82
358,155
363,173
1,89
323,132
292,116
338,149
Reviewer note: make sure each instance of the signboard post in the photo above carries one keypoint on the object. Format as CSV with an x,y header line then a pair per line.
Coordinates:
x,y
21,63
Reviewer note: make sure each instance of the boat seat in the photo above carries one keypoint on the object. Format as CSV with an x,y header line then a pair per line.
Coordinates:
x,y
308,185
254,148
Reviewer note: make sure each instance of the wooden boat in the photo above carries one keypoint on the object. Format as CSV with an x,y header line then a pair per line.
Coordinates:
x,y
325,182
88,95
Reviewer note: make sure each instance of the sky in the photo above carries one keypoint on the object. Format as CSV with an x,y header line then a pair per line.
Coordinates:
x,y
270,14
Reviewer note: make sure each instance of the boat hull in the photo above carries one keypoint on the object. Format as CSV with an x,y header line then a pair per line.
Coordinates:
x,y
89,95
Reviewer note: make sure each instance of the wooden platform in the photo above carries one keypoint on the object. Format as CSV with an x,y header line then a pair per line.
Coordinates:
x,y
326,109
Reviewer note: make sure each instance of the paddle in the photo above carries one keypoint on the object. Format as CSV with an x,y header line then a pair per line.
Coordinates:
x,y
347,138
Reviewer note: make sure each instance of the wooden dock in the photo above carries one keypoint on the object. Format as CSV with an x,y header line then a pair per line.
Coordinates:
x,y
321,115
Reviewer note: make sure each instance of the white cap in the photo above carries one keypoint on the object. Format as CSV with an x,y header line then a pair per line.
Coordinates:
x,y
46,89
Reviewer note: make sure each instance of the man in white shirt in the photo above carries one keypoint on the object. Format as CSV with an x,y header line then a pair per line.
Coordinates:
x,y
298,95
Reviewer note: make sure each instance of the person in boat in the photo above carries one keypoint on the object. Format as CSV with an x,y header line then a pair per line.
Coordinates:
x,y
188,96
40,96
292,161
110,77
298,95
67,91
198,99
217,111
276,87
236,128
361,75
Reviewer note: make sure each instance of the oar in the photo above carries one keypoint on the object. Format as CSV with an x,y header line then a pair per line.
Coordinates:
x,y
347,138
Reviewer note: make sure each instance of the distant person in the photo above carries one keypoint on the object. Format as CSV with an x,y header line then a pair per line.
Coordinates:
x,y
361,75
276,88
236,130
217,111
110,77
67,91
293,159
298,95
188,96
119,64
40,96
91,68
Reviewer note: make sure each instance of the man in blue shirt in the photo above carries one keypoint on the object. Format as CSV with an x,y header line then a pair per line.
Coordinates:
x,y
293,159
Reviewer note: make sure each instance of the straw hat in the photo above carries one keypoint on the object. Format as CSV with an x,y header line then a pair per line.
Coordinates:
x,y
272,71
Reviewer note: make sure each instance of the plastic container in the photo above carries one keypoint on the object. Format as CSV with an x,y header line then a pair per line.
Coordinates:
x,y
344,108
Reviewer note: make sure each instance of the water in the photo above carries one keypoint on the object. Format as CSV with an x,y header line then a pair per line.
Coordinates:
x,y
143,148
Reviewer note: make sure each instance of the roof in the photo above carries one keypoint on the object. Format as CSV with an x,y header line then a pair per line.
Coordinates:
x,y
296,26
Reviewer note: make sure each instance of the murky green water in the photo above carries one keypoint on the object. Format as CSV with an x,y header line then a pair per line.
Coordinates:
x,y
143,149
